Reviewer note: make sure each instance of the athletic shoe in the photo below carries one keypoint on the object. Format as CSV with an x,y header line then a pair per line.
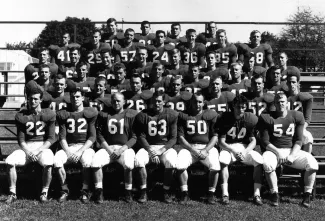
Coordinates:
x,y
275,199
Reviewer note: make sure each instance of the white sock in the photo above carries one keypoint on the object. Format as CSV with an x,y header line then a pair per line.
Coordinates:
x,y
45,190
128,186
143,186
85,186
257,189
12,189
65,187
184,188
166,187
212,189
224,188
308,189
99,185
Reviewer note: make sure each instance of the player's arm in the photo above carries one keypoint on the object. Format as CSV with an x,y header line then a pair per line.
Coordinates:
x,y
201,56
268,56
139,125
226,146
91,132
181,134
116,53
101,132
213,134
62,137
21,138
50,135
233,55
133,137
298,135
172,134
307,107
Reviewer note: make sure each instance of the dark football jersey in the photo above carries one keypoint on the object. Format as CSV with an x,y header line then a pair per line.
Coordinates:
x,y
112,39
259,105
113,86
241,87
282,132
40,127
175,41
237,131
157,129
260,52
212,74
275,89
106,72
177,103
224,56
302,102
144,39
193,55
124,54
137,102
33,68
221,104
68,70
198,86
59,103
197,129
206,39
99,103
87,85
77,127
183,70
117,129
59,54
161,54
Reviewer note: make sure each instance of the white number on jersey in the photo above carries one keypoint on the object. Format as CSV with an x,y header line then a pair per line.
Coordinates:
x,y
60,106
139,104
113,128
222,57
62,57
201,127
232,133
278,130
72,125
152,128
39,131
190,57
259,58
124,55
220,107
94,58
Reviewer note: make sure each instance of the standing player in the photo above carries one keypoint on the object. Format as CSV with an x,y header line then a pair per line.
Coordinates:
x,y
157,134
119,83
193,83
192,52
282,134
177,98
300,101
60,55
113,36
145,38
238,85
156,81
35,134
116,137
273,80
105,69
77,135
211,71
97,98
237,143
226,53
175,36
69,69
210,37
197,138
176,68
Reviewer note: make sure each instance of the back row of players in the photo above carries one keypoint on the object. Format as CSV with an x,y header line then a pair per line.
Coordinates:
x,y
138,117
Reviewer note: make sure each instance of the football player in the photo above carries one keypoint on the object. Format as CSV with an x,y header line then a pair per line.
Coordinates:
x,y
283,61
83,81
105,70
60,98
211,71
156,80
146,38
44,76
113,36
237,84
177,98
35,134
226,53
300,101
60,55
157,134
140,64
197,140
273,80
192,52
116,137
69,69
77,135
210,37
249,68
176,68
119,83
282,135
237,143
175,36
97,98
193,83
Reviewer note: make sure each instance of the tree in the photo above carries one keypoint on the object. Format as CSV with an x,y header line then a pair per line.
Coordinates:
x,y
300,35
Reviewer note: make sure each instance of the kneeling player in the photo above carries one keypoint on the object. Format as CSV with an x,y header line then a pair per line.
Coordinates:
x,y
237,143
157,130
282,133
116,138
197,139
76,135
35,133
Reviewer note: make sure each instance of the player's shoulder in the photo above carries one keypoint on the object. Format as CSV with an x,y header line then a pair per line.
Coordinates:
x,y
169,47
63,114
203,83
130,113
268,97
266,46
250,118
228,95
266,118
117,47
90,112
102,115
48,115
209,114
146,94
22,116
171,113
185,95
303,96
182,116
297,115
151,48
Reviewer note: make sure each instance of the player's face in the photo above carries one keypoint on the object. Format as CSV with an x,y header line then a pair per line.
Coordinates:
x,y
211,60
236,71
44,73
96,38
212,28
77,99
136,84
281,104
239,110
34,101
129,36
44,56
258,85
195,72
160,38
145,29
277,75
65,39
120,74
256,38
176,30
159,70
60,85
142,55
100,87
106,59
118,102
83,71
191,37
159,103
112,27
177,85
176,58
283,59
251,63
217,85
293,84
200,102
74,56
221,38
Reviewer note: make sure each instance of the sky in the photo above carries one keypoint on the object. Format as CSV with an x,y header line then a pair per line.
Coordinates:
x,y
152,10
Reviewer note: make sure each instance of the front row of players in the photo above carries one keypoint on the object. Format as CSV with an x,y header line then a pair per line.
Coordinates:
x,y
154,133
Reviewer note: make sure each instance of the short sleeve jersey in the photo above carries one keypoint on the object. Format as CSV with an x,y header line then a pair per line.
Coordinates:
x,y
224,56
302,102
221,104
259,105
161,54
193,55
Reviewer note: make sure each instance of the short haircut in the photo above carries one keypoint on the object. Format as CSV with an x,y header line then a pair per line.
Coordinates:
x,y
75,48
189,31
159,32
239,100
254,32
35,90
199,93
96,30
210,52
175,78
43,66
175,24
101,78
212,22
136,75
272,70
175,51
221,31
117,93
118,66
110,20
40,50
145,22
257,76
129,30
142,48
236,64
279,95
75,90
158,94
66,33
196,65
158,63
59,77
82,63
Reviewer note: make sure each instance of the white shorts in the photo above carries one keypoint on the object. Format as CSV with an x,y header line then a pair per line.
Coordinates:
x,y
185,158
102,158
86,158
168,158
19,157
250,158
307,137
302,160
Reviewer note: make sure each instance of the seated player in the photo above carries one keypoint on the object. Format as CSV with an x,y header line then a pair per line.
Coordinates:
x,y
193,83
119,83
197,140
210,37
226,53
76,136
273,80
97,98
176,68
192,52
116,138
300,101
157,134
160,51
31,70
113,36
237,143
106,67
282,134
248,68
175,37
60,54
211,71
35,134
219,100
238,85
145,38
